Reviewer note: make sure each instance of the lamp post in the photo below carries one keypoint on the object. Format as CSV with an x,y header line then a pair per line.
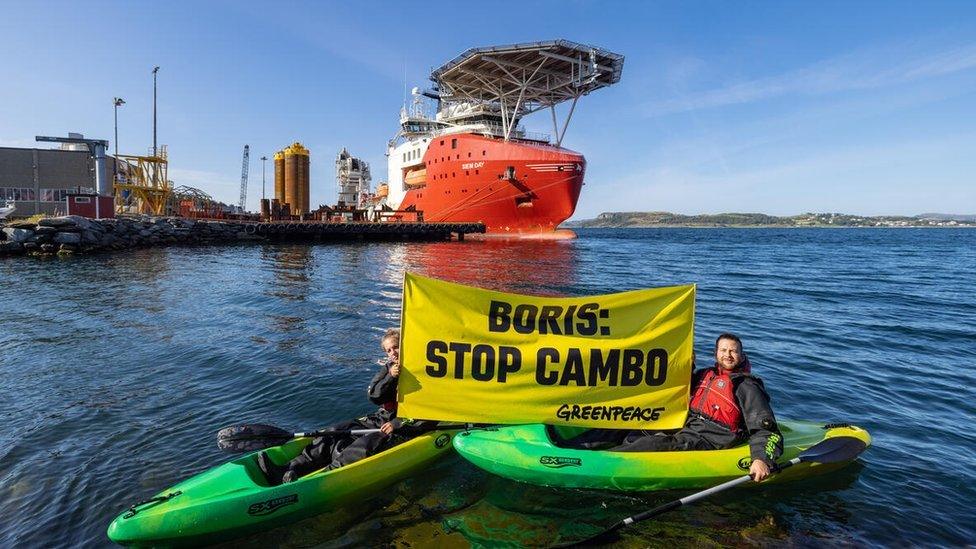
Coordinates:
x,y
118,101
155,70
264,161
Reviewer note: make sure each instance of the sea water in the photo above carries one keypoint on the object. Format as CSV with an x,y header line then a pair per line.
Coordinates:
x,y
117,369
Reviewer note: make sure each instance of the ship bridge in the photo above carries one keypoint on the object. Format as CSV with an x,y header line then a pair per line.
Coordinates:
x,y
520,79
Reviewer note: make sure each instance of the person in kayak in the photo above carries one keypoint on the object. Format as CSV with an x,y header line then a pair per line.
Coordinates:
x,y
336,451
728,405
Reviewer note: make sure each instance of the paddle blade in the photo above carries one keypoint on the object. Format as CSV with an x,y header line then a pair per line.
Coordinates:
x,y
251,437
833,450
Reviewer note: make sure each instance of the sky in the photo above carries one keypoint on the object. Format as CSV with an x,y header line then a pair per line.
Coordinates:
x,y
775,107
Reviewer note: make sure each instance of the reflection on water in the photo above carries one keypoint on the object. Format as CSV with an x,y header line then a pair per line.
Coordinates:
x,y
117,369
538,267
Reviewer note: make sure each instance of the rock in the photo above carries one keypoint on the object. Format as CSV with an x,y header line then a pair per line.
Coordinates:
x,y
41,229
22,225
30,246
67,238
18,235
49,248
11,247
67,249
58,222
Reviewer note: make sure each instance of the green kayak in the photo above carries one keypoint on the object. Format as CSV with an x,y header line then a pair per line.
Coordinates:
x,y
234,499
527,453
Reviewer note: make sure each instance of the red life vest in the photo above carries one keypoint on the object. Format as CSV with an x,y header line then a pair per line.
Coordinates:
x,y
714,398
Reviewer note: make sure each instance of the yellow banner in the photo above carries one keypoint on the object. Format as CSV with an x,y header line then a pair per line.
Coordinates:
x,y
618,360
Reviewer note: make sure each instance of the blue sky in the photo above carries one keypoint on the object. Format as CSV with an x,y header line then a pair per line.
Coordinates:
x,y
774,107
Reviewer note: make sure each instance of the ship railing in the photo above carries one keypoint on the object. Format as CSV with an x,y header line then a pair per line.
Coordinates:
x,y
494,130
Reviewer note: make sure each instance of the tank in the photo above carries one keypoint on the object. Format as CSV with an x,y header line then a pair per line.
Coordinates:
x,y
296,178
279,176
265,208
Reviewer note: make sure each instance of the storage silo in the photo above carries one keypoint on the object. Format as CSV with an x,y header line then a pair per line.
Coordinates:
x,y
296,178
279,174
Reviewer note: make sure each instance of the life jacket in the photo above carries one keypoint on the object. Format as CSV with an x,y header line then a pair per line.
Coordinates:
x,y
714,397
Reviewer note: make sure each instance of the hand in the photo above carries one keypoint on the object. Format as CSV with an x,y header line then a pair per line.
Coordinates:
x,y
386,428
758,470
394,369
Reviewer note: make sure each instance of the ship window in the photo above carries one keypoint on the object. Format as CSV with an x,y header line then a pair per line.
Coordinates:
x,y
454,143
442,141
469,154
466,172
476,172
483,153
404,157
452,174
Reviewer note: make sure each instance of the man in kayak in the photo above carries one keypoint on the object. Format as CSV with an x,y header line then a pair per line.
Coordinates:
x,y
728,405
334,452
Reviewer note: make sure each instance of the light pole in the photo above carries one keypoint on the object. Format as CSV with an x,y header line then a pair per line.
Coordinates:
x,y
155,70
264,161
118,101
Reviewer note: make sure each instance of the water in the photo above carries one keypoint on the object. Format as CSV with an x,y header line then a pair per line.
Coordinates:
x,y
117,369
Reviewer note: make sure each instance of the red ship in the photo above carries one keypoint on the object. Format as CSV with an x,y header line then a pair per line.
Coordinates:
x,y
472,161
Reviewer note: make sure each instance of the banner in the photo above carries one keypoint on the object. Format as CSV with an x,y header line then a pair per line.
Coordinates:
x,y
618,361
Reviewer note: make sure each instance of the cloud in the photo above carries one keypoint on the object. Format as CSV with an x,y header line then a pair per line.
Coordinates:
x,y
856,71
856,180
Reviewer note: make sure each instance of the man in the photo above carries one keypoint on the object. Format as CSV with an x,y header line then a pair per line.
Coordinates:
x,y
332,452
728,405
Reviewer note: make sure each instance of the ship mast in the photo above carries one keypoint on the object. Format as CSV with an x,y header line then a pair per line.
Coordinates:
x,y
519,79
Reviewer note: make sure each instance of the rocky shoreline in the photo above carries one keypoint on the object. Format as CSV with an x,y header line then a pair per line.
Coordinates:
x,y
79,235
74,234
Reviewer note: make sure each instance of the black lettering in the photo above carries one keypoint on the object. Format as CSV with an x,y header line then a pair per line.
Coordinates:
x,y
483,362
586,312
657,367
548,322
604,369
575,414
438,366
631,371
541,376
568,320
523,320
498,316
563,412
573,370
509,362
459,349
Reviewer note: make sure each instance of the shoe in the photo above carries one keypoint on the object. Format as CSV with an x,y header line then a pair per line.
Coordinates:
x,y
289,476
272,472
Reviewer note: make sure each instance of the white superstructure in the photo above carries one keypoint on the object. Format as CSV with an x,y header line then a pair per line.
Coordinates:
x,y
353,179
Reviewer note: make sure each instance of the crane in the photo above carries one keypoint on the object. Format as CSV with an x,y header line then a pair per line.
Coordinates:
x,y
247,153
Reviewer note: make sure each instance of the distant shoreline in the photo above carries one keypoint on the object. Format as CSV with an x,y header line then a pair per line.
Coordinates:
x,y
644,220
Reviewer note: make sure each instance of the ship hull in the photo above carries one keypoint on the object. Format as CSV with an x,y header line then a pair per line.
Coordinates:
x,y
513,187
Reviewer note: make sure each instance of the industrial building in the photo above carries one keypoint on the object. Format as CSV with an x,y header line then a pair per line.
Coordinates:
x,y
39,180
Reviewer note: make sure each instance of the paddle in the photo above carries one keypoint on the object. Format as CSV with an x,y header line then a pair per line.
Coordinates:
x,y
832,450
255,436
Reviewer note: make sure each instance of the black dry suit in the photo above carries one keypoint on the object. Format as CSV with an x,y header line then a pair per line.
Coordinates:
x,y
334,452
757,424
